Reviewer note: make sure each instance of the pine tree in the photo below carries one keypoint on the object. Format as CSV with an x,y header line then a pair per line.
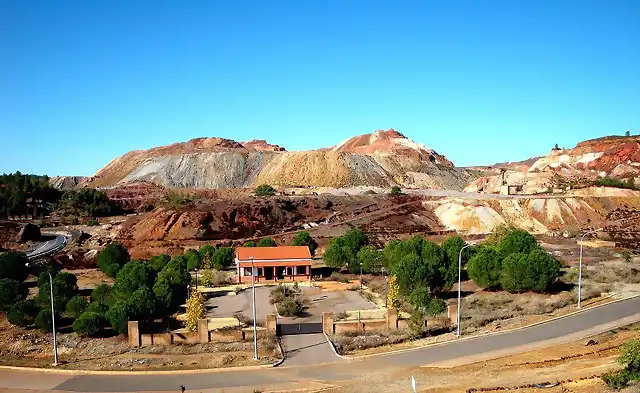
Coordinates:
x,y
207,272
195,310
393,296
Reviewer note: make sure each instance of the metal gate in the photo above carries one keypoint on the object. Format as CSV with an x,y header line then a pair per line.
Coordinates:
x,y
287,329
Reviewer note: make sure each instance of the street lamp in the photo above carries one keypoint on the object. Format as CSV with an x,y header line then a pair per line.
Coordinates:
x,y
386,298
360,276
196,279
460,285
580,268
53,319
253,289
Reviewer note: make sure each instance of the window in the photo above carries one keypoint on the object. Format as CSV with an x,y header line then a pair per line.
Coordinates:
x,y
260,272
301,270
247,271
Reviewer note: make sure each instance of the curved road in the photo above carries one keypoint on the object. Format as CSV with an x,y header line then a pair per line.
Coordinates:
x,y
57,243
588,322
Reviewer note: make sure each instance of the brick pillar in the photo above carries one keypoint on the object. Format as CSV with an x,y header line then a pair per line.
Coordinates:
x,y
133,332
392,318
327,322
271,323
452,313
203,330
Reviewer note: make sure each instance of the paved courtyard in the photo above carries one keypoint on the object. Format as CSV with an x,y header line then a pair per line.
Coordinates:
x,y
319,302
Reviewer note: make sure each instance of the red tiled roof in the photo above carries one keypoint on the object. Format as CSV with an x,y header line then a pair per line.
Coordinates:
x,y
273,253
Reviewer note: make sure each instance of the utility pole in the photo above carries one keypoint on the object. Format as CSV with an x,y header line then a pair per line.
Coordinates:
x,y
253,289
580,268
53,319
460,285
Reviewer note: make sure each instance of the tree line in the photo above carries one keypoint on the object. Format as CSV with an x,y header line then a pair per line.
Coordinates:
x,y
33,196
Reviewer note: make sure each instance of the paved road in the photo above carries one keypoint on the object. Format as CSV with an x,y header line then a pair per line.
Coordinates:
x,y
336,371
57,242
307,349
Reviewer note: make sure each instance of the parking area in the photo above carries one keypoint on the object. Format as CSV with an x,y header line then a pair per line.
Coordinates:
x,y
228,306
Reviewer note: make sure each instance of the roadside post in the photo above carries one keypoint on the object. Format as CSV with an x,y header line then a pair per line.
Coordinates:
x,y
459,286
254,273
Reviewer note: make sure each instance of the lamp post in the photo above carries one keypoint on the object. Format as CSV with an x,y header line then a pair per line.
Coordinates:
x,y
360,276
580,268
460,285
53,320
196,279
386,298
253,290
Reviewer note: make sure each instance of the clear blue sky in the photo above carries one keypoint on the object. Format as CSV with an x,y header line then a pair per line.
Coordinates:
x,y
480,81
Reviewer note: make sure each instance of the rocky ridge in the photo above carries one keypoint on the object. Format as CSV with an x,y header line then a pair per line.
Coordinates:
x,y
383,159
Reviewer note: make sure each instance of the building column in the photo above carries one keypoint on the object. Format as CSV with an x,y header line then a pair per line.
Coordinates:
x,y
275,274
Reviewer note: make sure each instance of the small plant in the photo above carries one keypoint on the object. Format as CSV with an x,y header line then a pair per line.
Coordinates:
x,y
291,307
93,223
626,255
395,191
340,316
265,190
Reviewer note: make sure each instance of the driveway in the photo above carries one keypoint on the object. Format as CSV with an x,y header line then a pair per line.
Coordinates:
x,y
334,301
307,349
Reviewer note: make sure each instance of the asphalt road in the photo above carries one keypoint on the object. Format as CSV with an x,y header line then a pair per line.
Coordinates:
x,y
335,371
57,242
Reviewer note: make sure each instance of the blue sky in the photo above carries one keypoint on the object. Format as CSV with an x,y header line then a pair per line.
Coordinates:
x,y
480,81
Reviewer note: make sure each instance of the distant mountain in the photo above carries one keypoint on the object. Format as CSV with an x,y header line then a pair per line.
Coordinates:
x,y
382,158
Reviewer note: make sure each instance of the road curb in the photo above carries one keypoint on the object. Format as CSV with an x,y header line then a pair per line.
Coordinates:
x,y
486,334
135,372
279,362
333,347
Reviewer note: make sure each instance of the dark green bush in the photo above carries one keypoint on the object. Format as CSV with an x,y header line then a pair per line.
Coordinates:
x,y
485,267
13,265
291,307
43,320
267,242
265,190
11,292
304,239
119,315
112,258
535,271
76,306
88,324
23,313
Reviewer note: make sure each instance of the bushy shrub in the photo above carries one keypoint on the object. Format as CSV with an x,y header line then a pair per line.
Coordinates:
x,y
102,294
304,239
535,271
76,306
119,315
291,307
64,288
158,262
267,242
43,320
265,190
395,191
23,313
93,223
194,260
88,324
485,267
133,276
13,265
112,258
11,292
250,243
222,258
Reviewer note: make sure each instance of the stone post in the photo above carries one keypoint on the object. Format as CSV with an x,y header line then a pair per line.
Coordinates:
x,y
452,313
203,330
327,322
271,323
133,332
392,318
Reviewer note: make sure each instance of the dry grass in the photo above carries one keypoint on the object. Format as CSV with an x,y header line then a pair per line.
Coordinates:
x,y
350,341
610,274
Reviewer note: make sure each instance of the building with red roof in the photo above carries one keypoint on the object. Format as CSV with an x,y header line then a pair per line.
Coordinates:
x,y
286,263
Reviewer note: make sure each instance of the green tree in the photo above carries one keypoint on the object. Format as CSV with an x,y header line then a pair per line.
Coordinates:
x,y
102,294
421,299
498,233
535,271
627,133
517,241
88,324
158,262
98,307
485,268
76,306
395,191
119,315
412,273
142,301
265,190
250,243
304,239
13,265
194,260
334,255
443,275
64,288
43,320
393,295
11,292
372,259
23,313
134,275
112,258
267,242
222,258
344,250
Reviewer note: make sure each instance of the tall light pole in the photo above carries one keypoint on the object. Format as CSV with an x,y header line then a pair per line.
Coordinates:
x,y
53,319
460,285
360,276
580,268
386,298
253,290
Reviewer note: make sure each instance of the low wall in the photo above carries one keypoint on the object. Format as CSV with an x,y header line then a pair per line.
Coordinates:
x,y
202,335
360,326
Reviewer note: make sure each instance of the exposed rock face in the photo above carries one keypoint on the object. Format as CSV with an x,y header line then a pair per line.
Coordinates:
x,y
67,182
610,156
384,158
